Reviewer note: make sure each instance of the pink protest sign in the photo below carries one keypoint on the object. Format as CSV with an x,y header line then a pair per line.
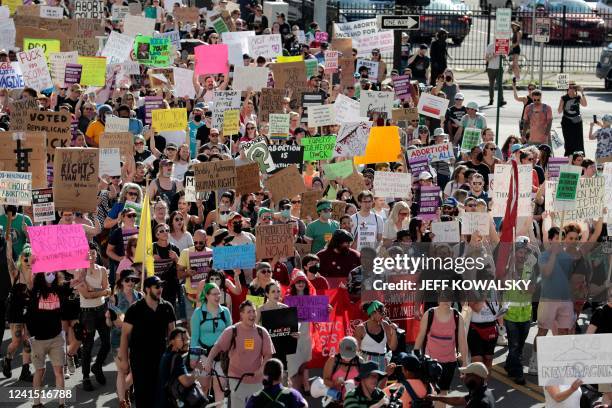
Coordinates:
x,y
58,247
211,59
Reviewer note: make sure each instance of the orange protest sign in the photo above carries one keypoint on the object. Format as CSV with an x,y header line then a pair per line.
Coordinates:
x,y
383,146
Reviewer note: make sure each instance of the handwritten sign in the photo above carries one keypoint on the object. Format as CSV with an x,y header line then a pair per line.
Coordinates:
x,y
562,81
274,241
231,122
255,78
286,183
169,119
94,71
232,257
75,181
224,100
338,170
279,125
310,308
247,178
25,152
34,69
331,61
388,184
318,148
346,109
371,68
58,247
57,126
58,61
447,231
475,222
257,301
267,46
124,141
43,208
321,115
109,162
11,76
212,176
15,188
374,102
352,139
88,9
589,202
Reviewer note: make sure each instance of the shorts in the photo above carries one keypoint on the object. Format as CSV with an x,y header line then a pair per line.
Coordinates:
x,y
54,348
478,346
515,50
448,373
556,314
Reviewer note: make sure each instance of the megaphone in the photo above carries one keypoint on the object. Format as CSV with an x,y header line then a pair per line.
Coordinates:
x,y
318,389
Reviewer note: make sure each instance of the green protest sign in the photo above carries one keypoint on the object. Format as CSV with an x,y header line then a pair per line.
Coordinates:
x,y
318,148
340,170
568,181
220,26
311,67
153,51
471,138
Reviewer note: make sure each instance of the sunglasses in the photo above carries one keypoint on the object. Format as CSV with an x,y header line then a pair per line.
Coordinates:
x,y
199,242
131,215
132,193
536,99
265,271
477,183
133,280
472,205
115,177
162,231
137,143
403,213
178,219
296,202
250,128
224,212
491,148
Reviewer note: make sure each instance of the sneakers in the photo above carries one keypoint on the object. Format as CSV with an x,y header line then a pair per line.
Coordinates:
x,y
26,375
520,380
97,371
87,385
6,367
71,364
533,364
66,373
502,340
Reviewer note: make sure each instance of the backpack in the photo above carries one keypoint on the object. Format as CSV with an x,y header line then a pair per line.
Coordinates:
x,y
415,402
264,400
213,319
180,396
430,318
224,355
354,361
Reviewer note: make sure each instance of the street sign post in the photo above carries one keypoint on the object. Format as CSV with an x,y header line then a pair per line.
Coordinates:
x,y
502,46
503,21
503,32
542,30
410,22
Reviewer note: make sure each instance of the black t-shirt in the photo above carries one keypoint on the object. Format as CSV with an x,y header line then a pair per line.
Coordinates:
x,y
480,398
419,67
116,240
165,375
140,157
602,318
166,270
149,329
43,318
62,100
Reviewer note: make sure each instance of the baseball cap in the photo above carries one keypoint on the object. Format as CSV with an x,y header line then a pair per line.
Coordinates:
x,y
459,96
348,348
439,132
323,205
450,202
341,235
151,281
171,146
409,361
516,147
607,118
425,175
478,369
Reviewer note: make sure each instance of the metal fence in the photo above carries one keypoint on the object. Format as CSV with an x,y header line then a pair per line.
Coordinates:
x,y
576,38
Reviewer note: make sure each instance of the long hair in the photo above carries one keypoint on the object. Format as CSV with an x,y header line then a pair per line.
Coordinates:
x,y
130,186
397,207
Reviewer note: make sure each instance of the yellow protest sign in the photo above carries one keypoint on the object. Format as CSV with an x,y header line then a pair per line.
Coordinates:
x,y
12,5
47,44
169,119
383,146
231,122
258,301
94,71
296,58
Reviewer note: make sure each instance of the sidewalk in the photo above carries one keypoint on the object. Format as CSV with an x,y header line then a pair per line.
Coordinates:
x,y
479,80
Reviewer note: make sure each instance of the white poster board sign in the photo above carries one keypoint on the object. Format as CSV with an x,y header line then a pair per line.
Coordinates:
x,y
445,231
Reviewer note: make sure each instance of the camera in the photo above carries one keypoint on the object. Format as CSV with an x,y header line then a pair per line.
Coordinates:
x,y
430,370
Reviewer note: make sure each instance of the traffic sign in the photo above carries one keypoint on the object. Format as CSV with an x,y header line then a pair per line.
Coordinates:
x,y
503,21
398,22
542,30
502,46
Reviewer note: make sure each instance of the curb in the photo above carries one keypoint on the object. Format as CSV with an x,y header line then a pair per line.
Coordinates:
x,y
480,86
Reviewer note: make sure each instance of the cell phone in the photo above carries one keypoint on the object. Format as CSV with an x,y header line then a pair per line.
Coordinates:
x,y
594,118
196,351
514,80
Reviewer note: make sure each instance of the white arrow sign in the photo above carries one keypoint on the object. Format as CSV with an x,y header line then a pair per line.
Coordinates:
x,y
398,22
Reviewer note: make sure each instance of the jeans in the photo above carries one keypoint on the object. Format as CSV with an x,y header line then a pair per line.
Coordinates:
x,y
93,319
493,76
517,334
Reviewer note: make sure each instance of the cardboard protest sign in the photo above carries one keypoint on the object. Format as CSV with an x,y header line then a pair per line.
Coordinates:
x,y
388,184
472,222
94,71
405,114
43,208
429,203
169,119
402,86
274,241
344,45
554,165
75,179
374,102
115,124
84,46
118,13
270,101
254,78
124,141
291,75
135,25
370,66
318,148
15,188
338,209
281,323
58,247
213,176
434,153
235,256
285,183
355,183
563,359
118,47
257,151
338,170
432,106
88,9
471,138
346,109
57,126
383,146
199,263
286,155
25,152
447,231
109,164
588,204
224,100
279,125
347,70
267,46
11,76
352,139
211,59
58,61
247,178
34,69
309,204
72,74
187,14
309,308
321,115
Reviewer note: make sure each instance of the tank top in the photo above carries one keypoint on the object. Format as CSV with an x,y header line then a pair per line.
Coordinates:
x,y
529,102
572,401
441,340
94,283
341,372
166,195
374,343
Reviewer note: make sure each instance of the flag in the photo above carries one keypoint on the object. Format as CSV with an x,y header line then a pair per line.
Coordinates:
x,y
144,246
508,224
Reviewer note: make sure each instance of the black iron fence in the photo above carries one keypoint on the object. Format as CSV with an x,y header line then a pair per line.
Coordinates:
x,y
576,37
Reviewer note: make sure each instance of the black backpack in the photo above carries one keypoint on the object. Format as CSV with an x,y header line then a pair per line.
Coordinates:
x,y
265,400
430,318
214,320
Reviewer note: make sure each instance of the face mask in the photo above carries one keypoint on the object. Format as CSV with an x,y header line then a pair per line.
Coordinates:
x,y
314,269
197,118
286,213
326,215
49,277
448,78
238,227
251,206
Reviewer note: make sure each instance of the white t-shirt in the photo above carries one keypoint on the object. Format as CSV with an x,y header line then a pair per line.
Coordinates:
x,y
366,229
573,401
